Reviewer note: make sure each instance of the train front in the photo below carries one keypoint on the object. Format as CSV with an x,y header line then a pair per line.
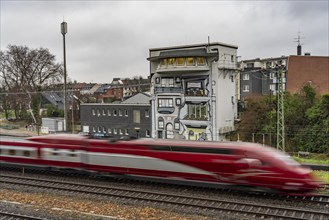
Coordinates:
x,y
295,177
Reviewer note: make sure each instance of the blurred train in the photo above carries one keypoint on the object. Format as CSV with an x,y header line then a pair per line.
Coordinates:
x,y
236,163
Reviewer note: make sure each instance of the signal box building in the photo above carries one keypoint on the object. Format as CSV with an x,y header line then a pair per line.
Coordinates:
x,y
193,93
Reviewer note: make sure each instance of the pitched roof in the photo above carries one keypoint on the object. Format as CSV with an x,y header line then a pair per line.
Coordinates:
x,y
140,98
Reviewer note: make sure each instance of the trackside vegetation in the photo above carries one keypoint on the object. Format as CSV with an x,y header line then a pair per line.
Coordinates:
x,y
306,121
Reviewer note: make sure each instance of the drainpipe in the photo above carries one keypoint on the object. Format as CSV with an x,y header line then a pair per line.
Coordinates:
x,y
213,111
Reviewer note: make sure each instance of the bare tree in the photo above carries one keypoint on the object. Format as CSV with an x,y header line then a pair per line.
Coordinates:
x,y
26,71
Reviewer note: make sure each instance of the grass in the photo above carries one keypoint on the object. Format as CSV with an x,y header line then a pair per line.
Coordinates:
x,y
312,160
8,127
322,175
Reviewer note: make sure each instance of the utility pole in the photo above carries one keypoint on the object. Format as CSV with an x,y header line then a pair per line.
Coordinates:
x,y
64,31
280,134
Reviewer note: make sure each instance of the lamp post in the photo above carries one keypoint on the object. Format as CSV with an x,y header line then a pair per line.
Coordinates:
x,y
64,31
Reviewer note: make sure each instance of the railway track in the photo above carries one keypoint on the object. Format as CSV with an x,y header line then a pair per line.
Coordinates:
x,y
174,200
14,216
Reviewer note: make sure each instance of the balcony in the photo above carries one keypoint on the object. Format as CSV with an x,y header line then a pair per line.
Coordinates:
x,y
196,99
158,90
199,121
176,69
225,64
166,110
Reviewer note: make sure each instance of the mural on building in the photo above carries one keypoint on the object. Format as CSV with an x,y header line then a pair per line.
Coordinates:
x,y
193,92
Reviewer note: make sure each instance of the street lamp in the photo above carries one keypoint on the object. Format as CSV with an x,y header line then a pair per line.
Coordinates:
x,y
64,31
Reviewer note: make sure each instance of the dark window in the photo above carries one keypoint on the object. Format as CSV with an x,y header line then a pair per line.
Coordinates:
x,y
201,150
160,148
160,134
54,153
191,149
26,153
72,154
12,152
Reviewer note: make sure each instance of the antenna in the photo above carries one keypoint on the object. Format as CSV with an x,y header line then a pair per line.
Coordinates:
x,y
298,39
299,46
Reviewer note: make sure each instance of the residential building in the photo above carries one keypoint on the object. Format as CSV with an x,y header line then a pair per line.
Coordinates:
x,y
134,86
111,92
258,76
89,88
193,92
130,118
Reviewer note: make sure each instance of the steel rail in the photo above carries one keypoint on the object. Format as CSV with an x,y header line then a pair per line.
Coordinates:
x,y
9,215
170,199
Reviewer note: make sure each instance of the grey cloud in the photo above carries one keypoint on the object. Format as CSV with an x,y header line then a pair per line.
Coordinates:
x,y
109,39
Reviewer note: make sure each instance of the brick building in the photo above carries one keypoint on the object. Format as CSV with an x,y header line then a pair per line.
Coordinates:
x,y
308,69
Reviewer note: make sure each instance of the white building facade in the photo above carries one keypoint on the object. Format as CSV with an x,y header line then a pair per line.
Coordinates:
x,y
193,91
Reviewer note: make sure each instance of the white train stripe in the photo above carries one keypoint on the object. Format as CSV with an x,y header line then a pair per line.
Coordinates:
x,y
8,147
142,162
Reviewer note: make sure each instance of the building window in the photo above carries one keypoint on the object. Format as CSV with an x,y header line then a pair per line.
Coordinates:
x,y
114,112
98,112
246,88
272,87
147,113
160,123
93,112
167,82
176,124
126,131
163,62
104,130
147,133
272,75
98,129
109,130
197,112
201,61
115,131
120,112
189,61
103,110
160,134
165,103
245,76
136,116
109,112
250,65
232,58
126,112
169,131
171,61
121,131
178,101
157,80
180,61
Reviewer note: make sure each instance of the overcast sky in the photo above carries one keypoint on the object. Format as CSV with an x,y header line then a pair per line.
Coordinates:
x,y
108,39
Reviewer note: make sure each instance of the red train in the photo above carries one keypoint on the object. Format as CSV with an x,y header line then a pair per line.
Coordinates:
x,y
235,163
